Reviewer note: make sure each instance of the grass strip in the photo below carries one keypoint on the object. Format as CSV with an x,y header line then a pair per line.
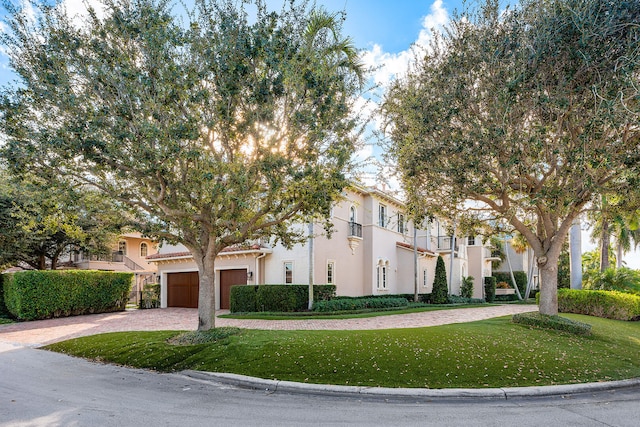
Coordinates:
x,y
488,353
351,314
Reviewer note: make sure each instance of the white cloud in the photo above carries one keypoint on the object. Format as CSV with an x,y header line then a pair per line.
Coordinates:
x,y
77,10
390,65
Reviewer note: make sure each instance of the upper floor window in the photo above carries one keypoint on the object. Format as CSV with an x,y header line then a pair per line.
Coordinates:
x,y
352,214
122,247
401,227
471,240
144,249
382,215
288,272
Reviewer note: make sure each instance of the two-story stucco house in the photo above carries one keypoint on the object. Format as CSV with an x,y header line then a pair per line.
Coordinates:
x,y
371,252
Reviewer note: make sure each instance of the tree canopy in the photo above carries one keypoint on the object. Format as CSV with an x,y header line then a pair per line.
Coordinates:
x,y
218,128
527,114
40,223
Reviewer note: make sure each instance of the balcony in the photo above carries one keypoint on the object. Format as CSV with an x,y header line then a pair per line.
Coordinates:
x,y
444,244
354,236
355,230
491,255
115,256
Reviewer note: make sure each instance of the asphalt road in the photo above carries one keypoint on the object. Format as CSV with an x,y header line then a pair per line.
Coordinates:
x,y
40,388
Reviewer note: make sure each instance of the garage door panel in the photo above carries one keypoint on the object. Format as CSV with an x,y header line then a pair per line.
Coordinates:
x,y
182,289
230,278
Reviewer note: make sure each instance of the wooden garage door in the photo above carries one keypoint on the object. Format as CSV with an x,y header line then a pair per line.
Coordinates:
x,y
182,290
228,278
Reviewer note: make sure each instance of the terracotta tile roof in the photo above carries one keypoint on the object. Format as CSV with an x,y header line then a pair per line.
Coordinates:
x,y
408,246
186,254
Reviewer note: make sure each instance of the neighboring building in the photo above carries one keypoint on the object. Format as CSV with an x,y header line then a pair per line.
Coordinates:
x,y
128,254
370,253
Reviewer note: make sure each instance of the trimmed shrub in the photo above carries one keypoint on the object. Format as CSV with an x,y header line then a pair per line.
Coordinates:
x,y
505,298
466,290
454,299
276,298
608,304
520,276
243,299
150,296
440,292
552,322
490,288
348,304
3,307
31,295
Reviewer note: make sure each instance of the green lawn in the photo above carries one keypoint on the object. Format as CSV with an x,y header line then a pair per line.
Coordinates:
x,y
356,314
489,353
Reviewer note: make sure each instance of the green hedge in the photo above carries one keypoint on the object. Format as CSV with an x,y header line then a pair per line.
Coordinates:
x,y
347,304
276,298
490,288
520,276
552,322
607,304
3,307
31,295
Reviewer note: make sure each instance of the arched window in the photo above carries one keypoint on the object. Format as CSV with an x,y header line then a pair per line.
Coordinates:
x,y
381,277
122,247
144,249
352,214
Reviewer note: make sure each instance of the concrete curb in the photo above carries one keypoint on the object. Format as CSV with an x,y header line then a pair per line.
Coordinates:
x,y
504,393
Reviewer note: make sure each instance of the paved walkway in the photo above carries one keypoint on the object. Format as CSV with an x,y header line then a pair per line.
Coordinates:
x,y
43,332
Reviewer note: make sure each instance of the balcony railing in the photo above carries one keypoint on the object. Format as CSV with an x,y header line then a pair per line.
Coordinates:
x,y
115,256
491,253
444,243
355,230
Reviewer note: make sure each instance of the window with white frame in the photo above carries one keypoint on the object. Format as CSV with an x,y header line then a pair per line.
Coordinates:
x,y
353,217
382,215
381,277
288,272
471,240
122,247
425,278
144,249
401,228
331,271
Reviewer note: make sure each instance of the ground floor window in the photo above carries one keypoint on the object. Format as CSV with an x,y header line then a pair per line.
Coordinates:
x,y
331,269
288,272
425,278
381,278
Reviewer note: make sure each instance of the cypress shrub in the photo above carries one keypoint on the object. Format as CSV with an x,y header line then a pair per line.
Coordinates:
x,y
440,292
490,288
31,295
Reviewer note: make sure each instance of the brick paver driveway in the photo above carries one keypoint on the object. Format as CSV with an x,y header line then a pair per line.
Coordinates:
x,y
42,332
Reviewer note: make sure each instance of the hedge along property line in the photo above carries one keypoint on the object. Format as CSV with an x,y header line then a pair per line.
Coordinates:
x,y
3,307
276,298
31,295
346,304
490,288
608,304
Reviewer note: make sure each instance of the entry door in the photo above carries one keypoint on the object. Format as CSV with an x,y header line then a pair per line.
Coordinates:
x,y
229,278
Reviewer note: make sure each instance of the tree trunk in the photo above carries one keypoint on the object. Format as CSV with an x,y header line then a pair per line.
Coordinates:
x,y
548,286
207,293
605,240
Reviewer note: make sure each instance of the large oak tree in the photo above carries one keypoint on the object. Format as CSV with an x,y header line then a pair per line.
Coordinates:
x,y
527,114
219,127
